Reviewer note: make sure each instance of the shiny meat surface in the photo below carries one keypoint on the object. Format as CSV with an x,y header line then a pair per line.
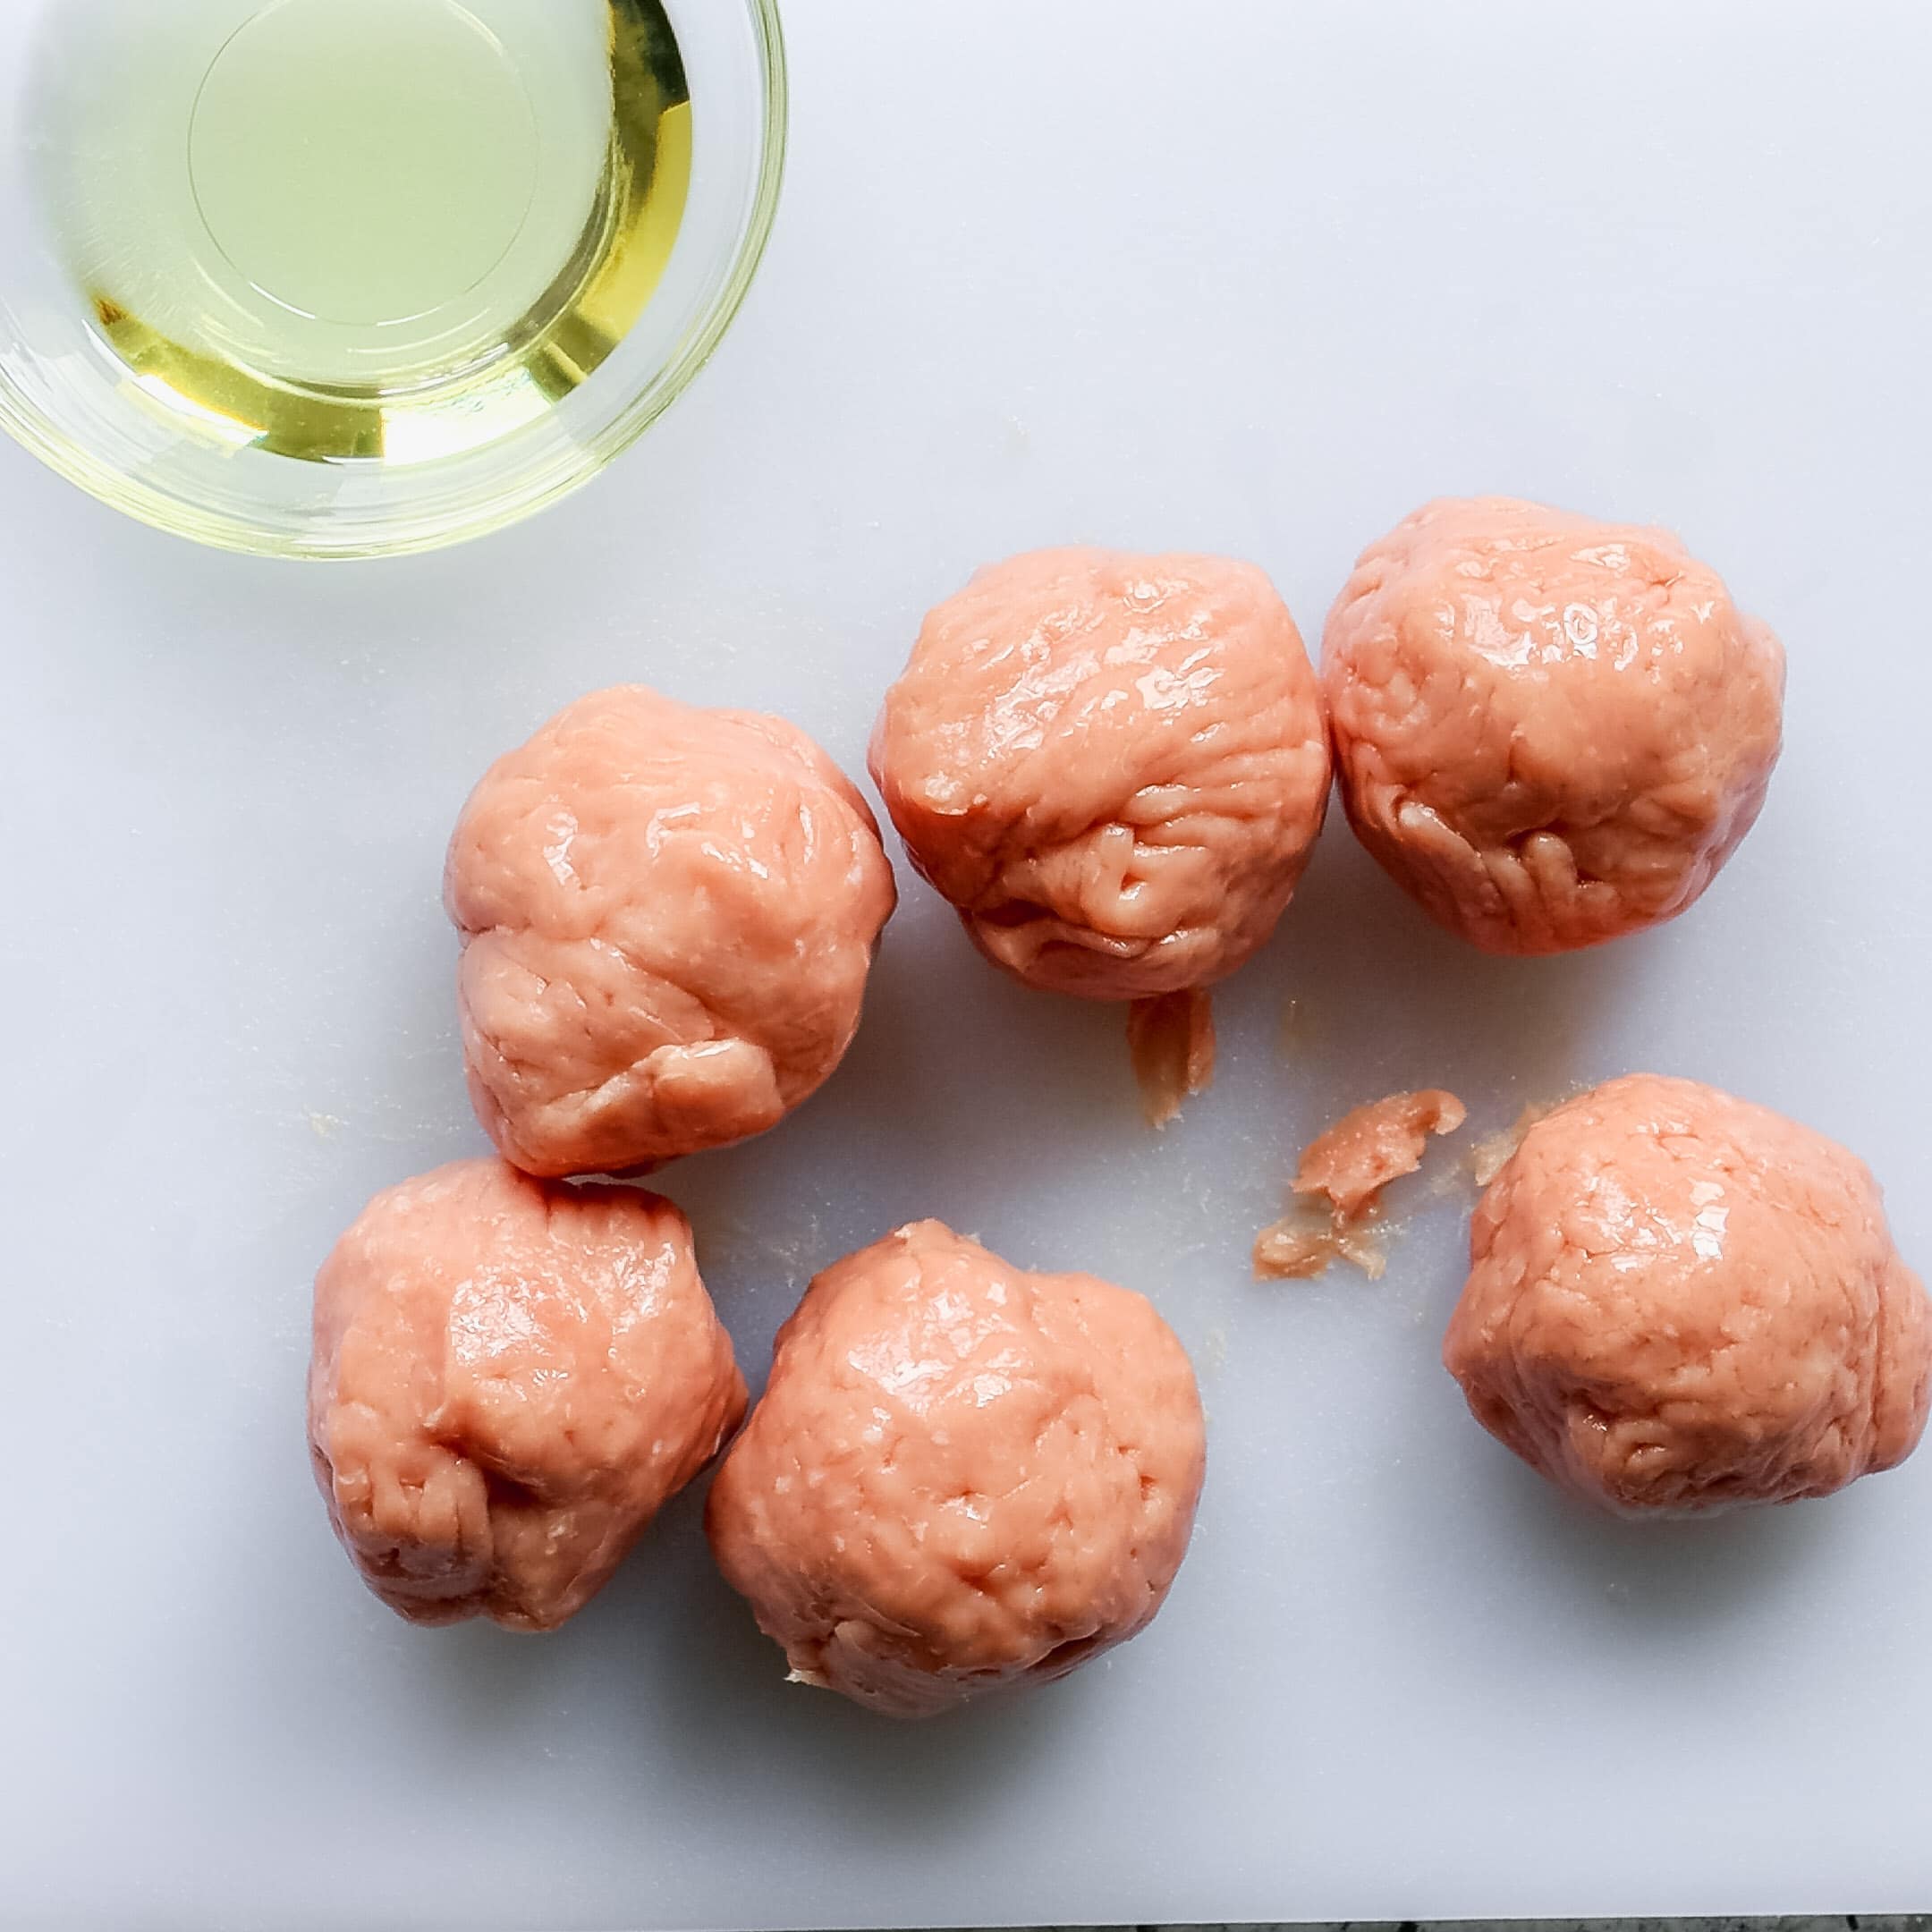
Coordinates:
x,y
961,1476
668,915
1551,731
510,1378
1114,766
1679,1301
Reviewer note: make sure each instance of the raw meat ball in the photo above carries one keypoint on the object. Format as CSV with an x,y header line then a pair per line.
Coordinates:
x,y
511,1377
1551,731
1114,766
668,915
1680,1301
961,1476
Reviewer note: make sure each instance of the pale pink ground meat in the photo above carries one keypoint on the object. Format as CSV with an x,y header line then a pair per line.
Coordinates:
x,y
510,1378
1551,731
1114,766
1171,1039
962,1476
1679,1301
1348,1165
668,915
1354,1160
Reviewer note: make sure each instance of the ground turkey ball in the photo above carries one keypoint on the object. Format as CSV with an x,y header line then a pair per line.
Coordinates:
x,y
1114,766
667,915
961,1476
511,1377
1551,731
1680,1301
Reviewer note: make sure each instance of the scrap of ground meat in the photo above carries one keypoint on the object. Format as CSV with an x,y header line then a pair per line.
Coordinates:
x,y
1306,1243
1491,1155
1356,1158
1347,1168
1172,1040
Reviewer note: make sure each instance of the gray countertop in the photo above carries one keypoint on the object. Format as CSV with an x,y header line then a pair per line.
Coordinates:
x,y
1834,1922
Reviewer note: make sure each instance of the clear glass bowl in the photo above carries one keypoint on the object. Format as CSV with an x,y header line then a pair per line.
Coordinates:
x,y
67,396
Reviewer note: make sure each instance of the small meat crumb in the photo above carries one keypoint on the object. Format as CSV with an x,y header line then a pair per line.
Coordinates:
x,y
1356,1158
1348,1165
1296,1029
1172,1039
1297,1249
1492,1153
1307,1244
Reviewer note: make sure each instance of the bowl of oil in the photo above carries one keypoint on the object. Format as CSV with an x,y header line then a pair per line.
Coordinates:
x,y
348,278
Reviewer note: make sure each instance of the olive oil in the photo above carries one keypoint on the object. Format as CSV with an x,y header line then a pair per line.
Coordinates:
x,y
376,231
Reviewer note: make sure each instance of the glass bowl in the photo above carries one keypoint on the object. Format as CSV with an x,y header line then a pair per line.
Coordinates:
x,y
92,410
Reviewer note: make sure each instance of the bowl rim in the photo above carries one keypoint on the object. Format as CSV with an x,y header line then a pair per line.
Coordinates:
x,y
432,529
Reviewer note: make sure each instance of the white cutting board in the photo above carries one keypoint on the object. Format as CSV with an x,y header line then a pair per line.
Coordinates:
x,y
1254,277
